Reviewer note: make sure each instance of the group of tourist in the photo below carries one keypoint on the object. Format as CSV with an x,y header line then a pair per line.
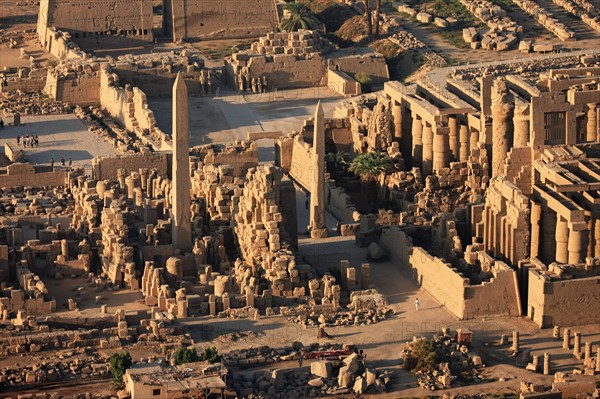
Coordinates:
x,y
29,141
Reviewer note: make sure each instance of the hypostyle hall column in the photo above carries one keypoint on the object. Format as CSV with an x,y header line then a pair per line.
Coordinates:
x,y
521,125
502,125
536,215
427,149
417,144
473,140
577,246
453,136
441,151
562,239
464,143
592,123
597,237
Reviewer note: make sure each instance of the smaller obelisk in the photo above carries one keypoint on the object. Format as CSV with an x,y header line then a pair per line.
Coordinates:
x,y
317,227
181,200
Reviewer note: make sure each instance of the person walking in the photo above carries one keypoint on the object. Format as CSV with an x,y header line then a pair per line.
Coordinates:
x,y
300,356
1,123
52,162
62,161
70,162
417,304
18,140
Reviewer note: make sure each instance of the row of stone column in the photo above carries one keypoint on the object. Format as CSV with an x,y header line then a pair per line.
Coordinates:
x,y
574,242
592,122
436,149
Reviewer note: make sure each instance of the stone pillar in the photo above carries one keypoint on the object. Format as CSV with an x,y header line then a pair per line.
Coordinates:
x,y
502,125
441,151
597,238
174,270
427,150
250,296
536,215
577,246
562,238
417,143
587,350
592,123
566,338
556,332
397,117
182,218
453,136
129,186
318,227
365,276
546,363
351,278
464,143
515,341
521,124
64,248
473,140
577,345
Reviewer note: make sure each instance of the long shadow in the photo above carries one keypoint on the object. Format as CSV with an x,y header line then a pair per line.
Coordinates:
x,y
44,128
45,156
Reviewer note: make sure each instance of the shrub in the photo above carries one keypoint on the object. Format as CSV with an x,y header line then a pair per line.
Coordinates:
x,y
185,355
119,362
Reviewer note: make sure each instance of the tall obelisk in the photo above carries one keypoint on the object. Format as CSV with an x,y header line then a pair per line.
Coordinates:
x,y
318,228
181,200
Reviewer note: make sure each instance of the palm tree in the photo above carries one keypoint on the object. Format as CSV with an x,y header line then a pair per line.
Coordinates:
x,y
377,10
337,162
369,19
299,17
369,167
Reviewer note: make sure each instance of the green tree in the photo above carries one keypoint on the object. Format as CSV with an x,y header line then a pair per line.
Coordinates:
x,y
210,355
185,355
299,17
337,162
369,167
119,362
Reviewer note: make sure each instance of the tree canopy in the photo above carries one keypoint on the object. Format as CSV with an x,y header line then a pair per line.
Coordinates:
x,y
370,166
300,17
119,362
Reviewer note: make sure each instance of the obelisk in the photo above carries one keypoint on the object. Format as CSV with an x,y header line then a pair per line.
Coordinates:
x,y
181,200
317,227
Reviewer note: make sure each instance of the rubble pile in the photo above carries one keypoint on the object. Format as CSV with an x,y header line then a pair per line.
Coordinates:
x,y
24,201
335,377
407,41
86,367
31,103
13,39
442,362
546,19
99,123
502,32
584,9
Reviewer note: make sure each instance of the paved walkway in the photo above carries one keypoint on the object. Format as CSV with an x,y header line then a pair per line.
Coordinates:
x,y
61,136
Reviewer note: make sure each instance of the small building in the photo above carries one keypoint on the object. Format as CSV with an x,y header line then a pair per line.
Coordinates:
x,y
146,381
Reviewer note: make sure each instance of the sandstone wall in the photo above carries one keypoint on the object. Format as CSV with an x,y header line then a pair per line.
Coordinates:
x,y
301,164
340,205
343,83
106,168
128,105
563,302
499,296
289,71
109,17
22,174
82,90
240,156
201,19
372,64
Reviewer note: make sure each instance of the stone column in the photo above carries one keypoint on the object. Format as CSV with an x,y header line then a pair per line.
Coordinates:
x,y
365,276
587,350
598,360
577,345
515,341
536,215
441,151
453,136
566,338
562,238
546,363
502,125
397,117
182,223
577,247
427,149
597,238
417,144
464,143
473,140
592,123
521,124
317,227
